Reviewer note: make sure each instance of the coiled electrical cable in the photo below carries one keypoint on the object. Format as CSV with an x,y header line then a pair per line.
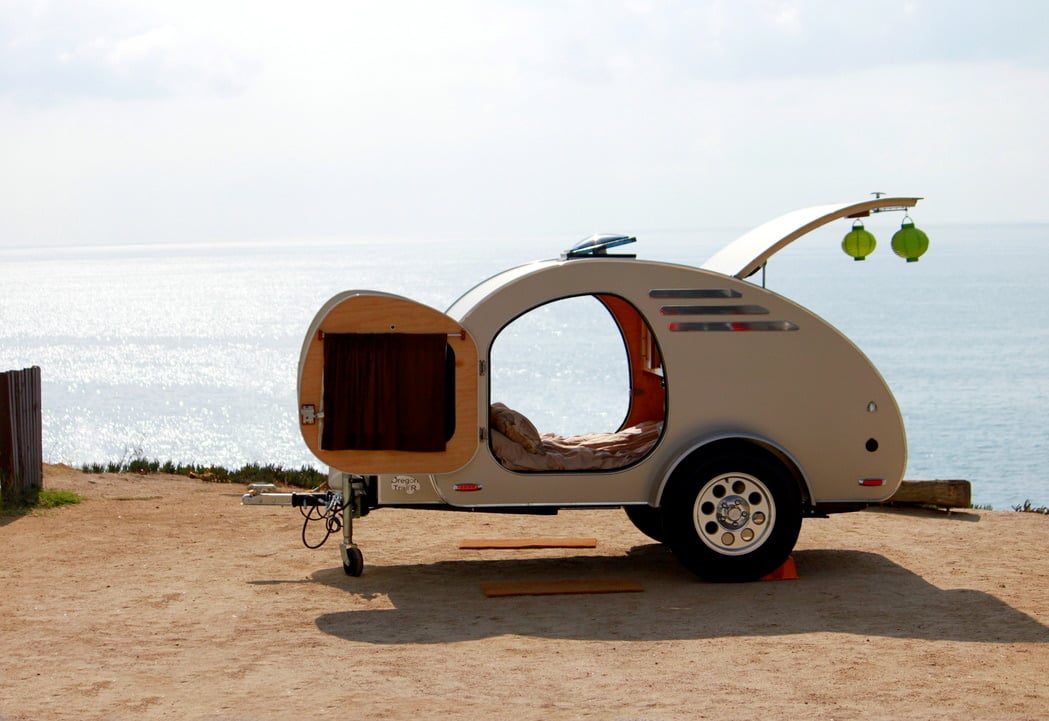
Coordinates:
x,y
330,514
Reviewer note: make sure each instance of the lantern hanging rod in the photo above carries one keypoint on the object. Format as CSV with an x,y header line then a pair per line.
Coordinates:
x,y
883,209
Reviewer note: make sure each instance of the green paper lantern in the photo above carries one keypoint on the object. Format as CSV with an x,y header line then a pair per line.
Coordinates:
x,y
858,242
909,242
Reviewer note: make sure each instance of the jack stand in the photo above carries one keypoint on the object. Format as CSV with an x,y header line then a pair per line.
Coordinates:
x,y
348,494
352,558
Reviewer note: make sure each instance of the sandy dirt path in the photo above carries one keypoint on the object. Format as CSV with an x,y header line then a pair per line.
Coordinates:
x,y
162,597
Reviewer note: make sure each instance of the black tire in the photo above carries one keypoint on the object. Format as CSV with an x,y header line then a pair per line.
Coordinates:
x,y
733,515
648,520
356,565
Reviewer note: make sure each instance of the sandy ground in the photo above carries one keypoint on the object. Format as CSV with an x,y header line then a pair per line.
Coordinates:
x,y
163,598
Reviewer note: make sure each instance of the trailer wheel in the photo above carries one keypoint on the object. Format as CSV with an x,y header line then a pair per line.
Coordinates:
x,y
648,520
355,564
733,516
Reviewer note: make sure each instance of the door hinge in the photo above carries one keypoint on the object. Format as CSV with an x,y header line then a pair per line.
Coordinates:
x,y
482,367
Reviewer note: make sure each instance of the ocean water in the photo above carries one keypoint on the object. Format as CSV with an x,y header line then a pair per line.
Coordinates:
x,y
189,352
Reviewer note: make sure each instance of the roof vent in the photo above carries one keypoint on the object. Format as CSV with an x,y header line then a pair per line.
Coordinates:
x,y
596,246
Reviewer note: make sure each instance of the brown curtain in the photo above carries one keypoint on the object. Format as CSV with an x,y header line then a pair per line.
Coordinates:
x,y
385,391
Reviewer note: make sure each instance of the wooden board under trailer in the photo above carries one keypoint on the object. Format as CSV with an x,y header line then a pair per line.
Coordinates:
x,y
943,494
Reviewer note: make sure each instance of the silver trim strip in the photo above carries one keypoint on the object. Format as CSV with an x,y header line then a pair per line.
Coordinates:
x,y
713,310
694,293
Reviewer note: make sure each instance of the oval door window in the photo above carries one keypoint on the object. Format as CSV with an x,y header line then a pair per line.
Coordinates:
x,y
563,365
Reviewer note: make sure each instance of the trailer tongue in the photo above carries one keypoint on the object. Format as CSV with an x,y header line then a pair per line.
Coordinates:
x,y
333,509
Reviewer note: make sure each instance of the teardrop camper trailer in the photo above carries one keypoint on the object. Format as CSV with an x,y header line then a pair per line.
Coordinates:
x,y
747,413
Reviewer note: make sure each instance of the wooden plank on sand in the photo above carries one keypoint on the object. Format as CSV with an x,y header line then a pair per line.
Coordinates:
x,y
495,589
519,543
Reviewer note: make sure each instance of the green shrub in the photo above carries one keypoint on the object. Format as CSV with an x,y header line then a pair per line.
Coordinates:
x,y
1027,507
44,498
53,498
304,477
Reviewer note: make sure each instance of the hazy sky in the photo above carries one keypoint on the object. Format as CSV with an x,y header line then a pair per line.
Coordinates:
x,y
184,121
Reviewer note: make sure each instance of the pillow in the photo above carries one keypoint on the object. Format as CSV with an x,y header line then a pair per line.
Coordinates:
x,y
516,427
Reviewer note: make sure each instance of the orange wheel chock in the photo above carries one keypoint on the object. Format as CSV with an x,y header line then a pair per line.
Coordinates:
x,y
787,572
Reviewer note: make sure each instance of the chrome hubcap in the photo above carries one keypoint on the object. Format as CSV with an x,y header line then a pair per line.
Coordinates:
x,y
734,513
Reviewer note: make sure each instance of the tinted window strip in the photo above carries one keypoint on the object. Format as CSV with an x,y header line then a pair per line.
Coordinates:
x,y
746,325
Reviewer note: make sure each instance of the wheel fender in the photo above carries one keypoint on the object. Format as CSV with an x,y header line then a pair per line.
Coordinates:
x,y
759,443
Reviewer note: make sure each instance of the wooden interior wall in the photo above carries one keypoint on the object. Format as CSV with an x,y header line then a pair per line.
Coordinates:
x,y
648,399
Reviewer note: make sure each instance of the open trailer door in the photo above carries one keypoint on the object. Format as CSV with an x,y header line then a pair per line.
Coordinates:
x,y
388,385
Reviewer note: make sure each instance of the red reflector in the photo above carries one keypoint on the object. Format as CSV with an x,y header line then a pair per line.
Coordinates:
x,y
872,481
467,487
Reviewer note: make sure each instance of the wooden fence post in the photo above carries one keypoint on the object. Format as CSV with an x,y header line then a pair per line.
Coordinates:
x,y
21,447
